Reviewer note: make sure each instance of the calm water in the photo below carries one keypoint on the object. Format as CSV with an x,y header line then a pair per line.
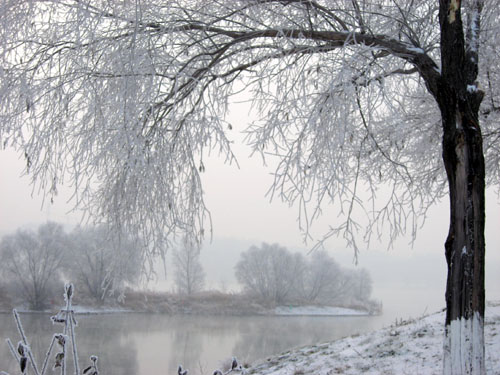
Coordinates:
x,y
156,344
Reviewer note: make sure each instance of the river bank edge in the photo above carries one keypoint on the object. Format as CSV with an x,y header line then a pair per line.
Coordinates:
x,y
207,303
413,346
282,311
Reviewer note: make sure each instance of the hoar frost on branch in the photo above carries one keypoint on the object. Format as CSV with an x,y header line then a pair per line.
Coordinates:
x,y
126,99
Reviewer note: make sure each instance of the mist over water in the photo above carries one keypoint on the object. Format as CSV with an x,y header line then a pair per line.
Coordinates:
x,y
409,283
156,344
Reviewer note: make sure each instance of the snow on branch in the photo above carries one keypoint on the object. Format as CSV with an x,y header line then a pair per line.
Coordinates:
x,y
125,102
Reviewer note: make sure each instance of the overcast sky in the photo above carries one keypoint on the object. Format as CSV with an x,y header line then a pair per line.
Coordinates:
x,y
407,280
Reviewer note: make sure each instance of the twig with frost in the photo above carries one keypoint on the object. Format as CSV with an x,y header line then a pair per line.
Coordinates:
x,y
47,355
234,367
65,316
12,350
23,360
25,347
181,371
69,324
92,369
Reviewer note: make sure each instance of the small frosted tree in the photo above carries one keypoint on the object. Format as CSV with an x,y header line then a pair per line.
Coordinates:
x,y
323,280
357,286
126,99
363,289
32,261
188,271
320,273
269,272
101,262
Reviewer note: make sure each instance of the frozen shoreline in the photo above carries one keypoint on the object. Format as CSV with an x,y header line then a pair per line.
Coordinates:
x,y
318,311
307,310
278,311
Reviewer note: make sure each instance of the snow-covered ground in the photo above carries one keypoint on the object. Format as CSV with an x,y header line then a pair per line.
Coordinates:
x,y
317,310
98,310
414,347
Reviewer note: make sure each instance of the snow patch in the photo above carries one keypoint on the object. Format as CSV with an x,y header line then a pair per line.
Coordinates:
x,y
464,346
105,310
318,310
471,88
415,49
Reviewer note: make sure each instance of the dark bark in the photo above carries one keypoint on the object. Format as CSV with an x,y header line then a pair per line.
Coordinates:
x,y
459,101
465,246
464,162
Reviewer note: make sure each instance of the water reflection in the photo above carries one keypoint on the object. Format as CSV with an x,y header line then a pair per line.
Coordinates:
x,y
94,335
157,344
106,337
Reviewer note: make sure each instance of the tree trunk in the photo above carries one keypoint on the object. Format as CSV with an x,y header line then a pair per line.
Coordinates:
x,y
465,247
459,100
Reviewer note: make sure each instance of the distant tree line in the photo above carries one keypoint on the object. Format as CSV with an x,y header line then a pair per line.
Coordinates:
x,y
276,275
35,263
102,264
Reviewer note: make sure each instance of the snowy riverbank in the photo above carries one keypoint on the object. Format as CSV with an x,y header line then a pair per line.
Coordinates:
x,y
318,310
280,311
411,347
204,303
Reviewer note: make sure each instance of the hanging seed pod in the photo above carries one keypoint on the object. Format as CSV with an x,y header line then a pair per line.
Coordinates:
x,y
58,318
69,290
234,363
180,371
59,359
20,349
92,370
61,339
23,361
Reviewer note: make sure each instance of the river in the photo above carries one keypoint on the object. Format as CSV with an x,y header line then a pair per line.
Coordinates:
x,y
140,344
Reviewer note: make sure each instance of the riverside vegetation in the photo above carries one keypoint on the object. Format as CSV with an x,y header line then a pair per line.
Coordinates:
x,y
106,269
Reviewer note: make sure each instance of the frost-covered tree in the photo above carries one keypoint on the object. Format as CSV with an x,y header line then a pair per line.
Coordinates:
x,y
188,271
276,275
321,279
32,261
270,272
127,98
364,284
102,262
324,280
359,284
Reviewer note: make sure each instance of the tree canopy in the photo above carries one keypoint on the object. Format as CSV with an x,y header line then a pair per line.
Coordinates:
x,y
188,271
102,263
127,99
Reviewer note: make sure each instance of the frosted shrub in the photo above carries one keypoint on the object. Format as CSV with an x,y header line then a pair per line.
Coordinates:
x,y
64,342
